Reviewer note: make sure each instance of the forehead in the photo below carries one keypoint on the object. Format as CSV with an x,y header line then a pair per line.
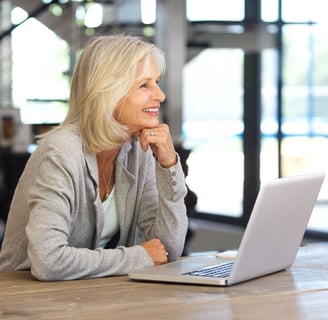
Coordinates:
x,y
147,67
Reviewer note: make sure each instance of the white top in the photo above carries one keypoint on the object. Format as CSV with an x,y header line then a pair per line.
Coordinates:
x,y
111,225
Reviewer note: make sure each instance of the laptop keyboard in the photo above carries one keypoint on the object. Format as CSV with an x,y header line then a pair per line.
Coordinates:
x,y
221,270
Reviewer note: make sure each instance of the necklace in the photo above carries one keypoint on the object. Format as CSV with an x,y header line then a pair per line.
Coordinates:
x,y
107,185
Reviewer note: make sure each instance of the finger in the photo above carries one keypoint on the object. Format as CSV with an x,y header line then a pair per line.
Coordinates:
x,y
152,133
163,259
147,137
160,141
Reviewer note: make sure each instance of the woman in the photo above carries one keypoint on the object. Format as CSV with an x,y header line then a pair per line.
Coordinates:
x,y
104,192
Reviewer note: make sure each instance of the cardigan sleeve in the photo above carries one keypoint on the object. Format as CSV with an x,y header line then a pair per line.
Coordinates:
x,y
162,209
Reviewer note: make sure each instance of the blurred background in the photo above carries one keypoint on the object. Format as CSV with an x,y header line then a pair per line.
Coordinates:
x,y
246,87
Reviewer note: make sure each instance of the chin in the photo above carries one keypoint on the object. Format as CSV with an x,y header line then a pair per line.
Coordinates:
x,y
152,124
145,125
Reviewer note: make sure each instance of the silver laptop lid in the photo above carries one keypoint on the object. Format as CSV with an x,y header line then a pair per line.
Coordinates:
x,y
277,225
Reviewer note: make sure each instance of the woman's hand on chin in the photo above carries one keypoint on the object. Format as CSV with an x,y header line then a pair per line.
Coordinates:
x,y
160,141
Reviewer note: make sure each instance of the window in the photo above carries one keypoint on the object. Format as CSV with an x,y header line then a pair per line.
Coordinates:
x,y
40,79
294,114
212,128
215,10
304,108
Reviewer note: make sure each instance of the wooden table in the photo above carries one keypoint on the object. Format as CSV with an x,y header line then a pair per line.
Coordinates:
x,y
299,293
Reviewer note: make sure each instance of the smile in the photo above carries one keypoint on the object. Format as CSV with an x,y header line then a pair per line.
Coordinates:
x,y
151,110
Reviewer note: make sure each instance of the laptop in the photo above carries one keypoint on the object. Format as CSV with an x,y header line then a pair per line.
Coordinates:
x,y
269,244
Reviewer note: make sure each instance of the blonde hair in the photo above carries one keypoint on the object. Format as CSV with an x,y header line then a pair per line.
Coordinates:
x,y
103,76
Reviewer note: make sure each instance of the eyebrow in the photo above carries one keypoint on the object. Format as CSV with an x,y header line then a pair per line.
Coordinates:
x,y
148,78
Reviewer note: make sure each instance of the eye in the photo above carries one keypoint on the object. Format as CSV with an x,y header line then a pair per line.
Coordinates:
x,y
144,85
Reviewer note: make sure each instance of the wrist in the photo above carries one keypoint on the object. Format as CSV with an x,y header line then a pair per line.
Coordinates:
x,y
170,163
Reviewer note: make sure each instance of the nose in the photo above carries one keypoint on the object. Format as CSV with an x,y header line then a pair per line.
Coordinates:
x,y
159,94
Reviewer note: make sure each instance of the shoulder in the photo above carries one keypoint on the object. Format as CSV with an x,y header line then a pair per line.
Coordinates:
x,y
62,139
62,145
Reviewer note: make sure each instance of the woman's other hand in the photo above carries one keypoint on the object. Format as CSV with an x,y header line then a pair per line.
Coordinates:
x,y
156,250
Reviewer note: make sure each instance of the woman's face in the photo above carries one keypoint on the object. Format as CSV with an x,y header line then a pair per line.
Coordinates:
x,y
140,108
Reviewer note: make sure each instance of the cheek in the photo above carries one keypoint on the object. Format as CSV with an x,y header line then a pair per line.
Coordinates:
x,y
125,113
121,110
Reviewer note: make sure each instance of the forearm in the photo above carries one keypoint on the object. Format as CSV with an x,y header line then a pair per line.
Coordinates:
x,y
170,222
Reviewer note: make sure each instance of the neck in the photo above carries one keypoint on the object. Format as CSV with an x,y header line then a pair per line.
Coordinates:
x,y
105,157
106,172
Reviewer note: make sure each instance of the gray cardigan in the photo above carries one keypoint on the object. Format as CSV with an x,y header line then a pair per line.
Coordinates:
x,y
56,216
